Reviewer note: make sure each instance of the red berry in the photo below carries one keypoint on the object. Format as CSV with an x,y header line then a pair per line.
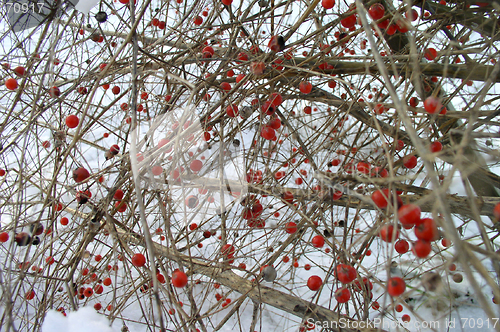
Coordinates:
x,y
432,105
232,111
402,26
72,121
305,87
363,167
426,230
342,295
80,174
402,246
336,195
349,21
436,147
345,273
179,279
328,4
88,292
379,109
242,56
391,29
412,15
97,306
291,227
156,170
276,44
414,101
208,49
20,71
384,24
82,197
496,211
388,234
240,78
318,241
114,149
228,250
376,11
396,286
314,283
399,145
4,237
276,99
445,242
421,248
410,162
138,260
118,194
380,198
288,197
225,86
268,108
54,91
198,20
275,123
11,84
196,165
161,278
379,172
367,285
409,214
257,68
430,54
36,229
115,90
268,133
30,295
106,282
58,206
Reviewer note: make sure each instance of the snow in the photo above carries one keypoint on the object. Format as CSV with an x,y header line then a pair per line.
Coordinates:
x,y
84,320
